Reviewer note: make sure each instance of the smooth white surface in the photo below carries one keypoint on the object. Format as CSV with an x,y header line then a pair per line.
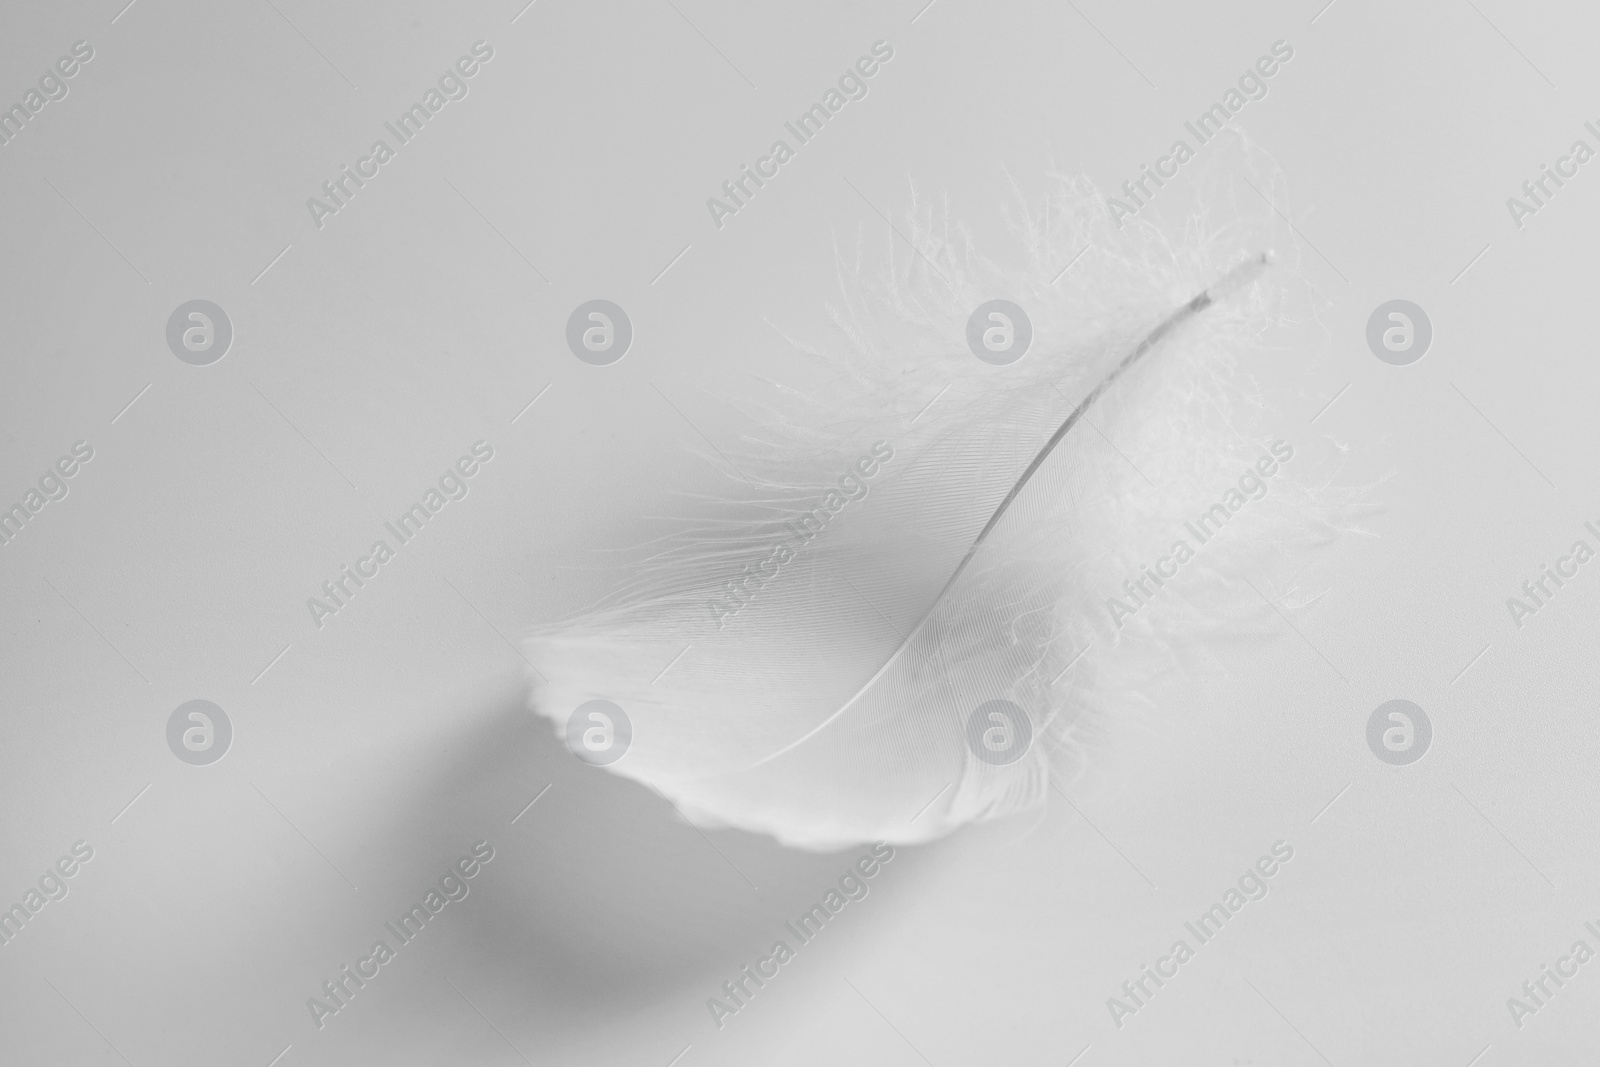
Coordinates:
x,y
377,349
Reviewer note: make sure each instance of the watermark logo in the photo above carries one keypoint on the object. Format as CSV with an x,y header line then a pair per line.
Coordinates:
x,y
199,732
453,484
1399,332
52,485
452,888
199,333
52,87
1565,170
1252,485
737,192
1399,732
599,732
1565,967
852,886
599,332
340,190
51,886
1251,886
852,485
1252,85
999,332
1538,591
999,732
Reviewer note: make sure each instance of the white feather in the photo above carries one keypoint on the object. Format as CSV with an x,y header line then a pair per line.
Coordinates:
x,y
832,706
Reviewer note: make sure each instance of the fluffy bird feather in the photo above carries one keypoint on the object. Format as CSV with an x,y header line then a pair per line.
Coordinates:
x,y
927,536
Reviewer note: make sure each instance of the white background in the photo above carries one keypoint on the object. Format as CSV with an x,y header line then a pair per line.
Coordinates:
x,y
416,321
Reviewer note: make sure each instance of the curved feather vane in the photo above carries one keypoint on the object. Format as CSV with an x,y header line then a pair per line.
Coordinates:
x,y
818,653
1234,280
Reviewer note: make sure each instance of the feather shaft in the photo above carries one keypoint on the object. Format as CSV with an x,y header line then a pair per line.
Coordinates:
x,y
1230,283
